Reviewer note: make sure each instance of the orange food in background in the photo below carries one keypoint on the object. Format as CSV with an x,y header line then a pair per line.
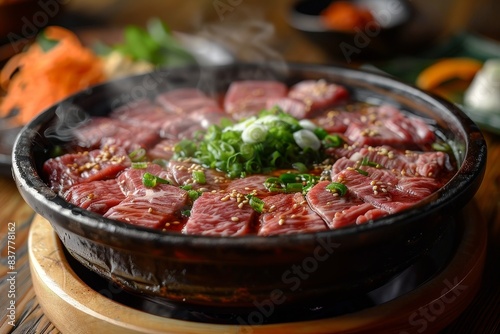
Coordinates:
x,y
345,16
45,77
448,69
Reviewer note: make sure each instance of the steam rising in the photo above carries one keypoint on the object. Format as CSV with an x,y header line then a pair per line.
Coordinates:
x,y
250,39
68,118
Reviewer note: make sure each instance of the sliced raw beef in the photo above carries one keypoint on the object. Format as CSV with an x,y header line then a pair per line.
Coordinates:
x,y
100,132
407,163
163,150
181,173
130,180
158,207
247,98
186,125
339,211
216,214
253,184
297,108
337,121
144,114
391,127
96,196
289,214
371,189
70,169
185,100
318,94
419,186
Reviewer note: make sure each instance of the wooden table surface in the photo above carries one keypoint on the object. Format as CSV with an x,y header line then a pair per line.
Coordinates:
x,y
482,315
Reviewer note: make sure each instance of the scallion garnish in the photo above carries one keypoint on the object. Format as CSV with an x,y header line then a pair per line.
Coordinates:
x,y
362,172
337,187
137,155
302,168
150,180
367,162
255,133
332,141
193,194
291,182
288,178
294,187
139,165
441,147
307,139
199,177
256,203
273,140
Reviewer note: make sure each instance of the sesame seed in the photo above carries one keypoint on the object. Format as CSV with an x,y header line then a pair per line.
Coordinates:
x,y
235,219
281,221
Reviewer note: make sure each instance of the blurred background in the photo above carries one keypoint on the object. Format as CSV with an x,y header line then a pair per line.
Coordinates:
x,y
432,22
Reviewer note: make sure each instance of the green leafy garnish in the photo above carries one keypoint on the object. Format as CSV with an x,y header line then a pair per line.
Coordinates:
x,y
272,140
441,147
199,177
155,44
139,165
291,182
367,162
336,187
362,172
149,180
138,155
256,203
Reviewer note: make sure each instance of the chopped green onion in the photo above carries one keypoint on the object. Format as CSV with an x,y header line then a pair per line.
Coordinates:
x,y
193,194
253,166
256,203
150,180
255,133
332,141
362,172
307,139
139,165
289,178
366,162
337,187
294,187
137,155
186,187
320,133
441,147
307,124
272,140
277,190
186,213
199,177
302,168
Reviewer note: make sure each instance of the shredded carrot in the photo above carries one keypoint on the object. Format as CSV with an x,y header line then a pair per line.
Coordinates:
x,y
45,77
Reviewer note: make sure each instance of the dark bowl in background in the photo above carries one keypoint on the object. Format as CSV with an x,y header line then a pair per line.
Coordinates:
x,y
235,272
368,43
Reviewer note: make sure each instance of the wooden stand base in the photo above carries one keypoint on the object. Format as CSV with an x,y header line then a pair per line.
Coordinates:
x,y
75,308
